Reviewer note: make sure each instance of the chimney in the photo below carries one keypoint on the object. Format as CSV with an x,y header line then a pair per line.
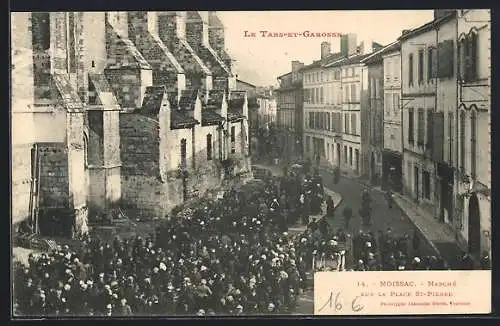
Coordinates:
x,y
296,65
348,44
196,29
326,49
440,13
366,47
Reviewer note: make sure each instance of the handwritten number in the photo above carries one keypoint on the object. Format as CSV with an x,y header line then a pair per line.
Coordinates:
x,y
355,306
337,305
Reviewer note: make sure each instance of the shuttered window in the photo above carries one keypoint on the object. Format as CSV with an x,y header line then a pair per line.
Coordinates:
x,y
353,93
430,130
462,140
353,124
450,138
421,126
471,57
420,66
462,59
395,104
411,125
388,104
438,136
410,69
430,63
473,149
346,123
446,59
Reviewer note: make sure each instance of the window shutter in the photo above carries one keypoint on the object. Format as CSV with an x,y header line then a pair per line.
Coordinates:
x,y
473,56
429,130
438,133
467,51
434,67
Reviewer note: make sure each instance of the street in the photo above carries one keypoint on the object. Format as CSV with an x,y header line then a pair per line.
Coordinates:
x,y
382,216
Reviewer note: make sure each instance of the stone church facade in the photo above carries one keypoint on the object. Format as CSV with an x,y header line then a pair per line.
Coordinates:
x,y
134,111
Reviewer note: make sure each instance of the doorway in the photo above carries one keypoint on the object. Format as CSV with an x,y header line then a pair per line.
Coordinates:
x,y
474,226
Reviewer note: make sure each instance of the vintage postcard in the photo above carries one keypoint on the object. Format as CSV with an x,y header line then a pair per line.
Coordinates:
x,y
210,163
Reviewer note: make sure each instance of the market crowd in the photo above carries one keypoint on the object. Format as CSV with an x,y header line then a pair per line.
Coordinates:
x,y
226,256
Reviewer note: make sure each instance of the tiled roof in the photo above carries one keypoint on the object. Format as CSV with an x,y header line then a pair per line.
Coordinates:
x,y
349,60
153,99
427,26
102,92
210,117
180,119
68,94
138,60
215,98
237,100
377,56
332,58
188,99
234,115
174,101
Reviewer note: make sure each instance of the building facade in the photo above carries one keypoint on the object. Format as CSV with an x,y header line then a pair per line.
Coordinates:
x,y
392,156
372,118
289,111
418,101
104,82
333,89
473,131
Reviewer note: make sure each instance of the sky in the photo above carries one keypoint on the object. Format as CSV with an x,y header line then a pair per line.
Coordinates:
x,y
260,60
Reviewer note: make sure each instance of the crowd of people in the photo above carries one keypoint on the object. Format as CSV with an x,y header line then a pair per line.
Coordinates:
x,y
226,256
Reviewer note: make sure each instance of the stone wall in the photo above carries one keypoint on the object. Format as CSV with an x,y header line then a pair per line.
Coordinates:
x,y
143,192
54,187
20,181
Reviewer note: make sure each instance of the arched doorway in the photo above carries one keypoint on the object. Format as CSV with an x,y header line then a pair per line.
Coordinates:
x,y
474,226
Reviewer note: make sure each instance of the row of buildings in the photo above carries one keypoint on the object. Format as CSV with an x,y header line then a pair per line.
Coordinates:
x,y
413,115
137,111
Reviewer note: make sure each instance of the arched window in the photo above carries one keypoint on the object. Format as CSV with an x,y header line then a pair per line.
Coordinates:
x,y
473,148
462,140
461,58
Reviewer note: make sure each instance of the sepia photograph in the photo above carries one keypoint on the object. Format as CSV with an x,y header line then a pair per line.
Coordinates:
x,y
248,163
